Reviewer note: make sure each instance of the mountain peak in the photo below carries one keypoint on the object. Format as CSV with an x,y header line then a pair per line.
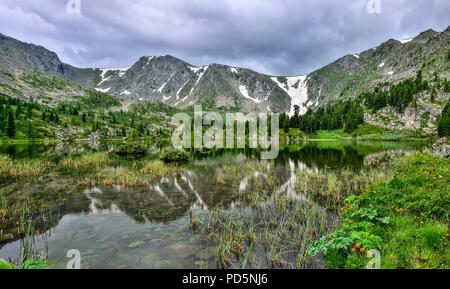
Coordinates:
x,y
447,30
426,35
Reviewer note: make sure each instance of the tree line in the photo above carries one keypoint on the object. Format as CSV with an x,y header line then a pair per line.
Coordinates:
x,y
348,114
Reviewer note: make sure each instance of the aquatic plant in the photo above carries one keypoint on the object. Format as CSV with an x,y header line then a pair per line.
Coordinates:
x,y
87,162
129,177
175,157
265,228
131,150
26,221
13,170
331,188
157,169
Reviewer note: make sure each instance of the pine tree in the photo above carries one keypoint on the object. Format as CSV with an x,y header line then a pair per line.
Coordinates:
x,y
11,129
18,110
30,130
286,125
29,111
444,122
140,129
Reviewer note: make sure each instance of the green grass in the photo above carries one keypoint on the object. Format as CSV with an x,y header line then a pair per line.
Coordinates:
x,y
331,134
405,218
292,132
367,129
371,132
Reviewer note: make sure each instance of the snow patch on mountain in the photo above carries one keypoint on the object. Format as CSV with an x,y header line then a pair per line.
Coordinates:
x,y
298,91
150,58
162,87
195,69
403,41
244,92
103,90
199,78
120,72
203,70
181,88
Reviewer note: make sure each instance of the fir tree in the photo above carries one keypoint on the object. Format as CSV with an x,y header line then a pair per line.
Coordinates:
x,y
444,122
11,129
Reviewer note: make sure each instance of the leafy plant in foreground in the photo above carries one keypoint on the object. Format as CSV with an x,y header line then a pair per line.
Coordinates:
x,y
29,264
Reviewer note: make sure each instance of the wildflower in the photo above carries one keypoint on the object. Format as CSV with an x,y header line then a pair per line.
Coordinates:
x,y
421,222
362,249
374,192
439,226
392,256
357,245
353,249
350,222
443,238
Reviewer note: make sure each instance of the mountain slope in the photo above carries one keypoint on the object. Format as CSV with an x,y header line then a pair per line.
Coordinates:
x,y
392,61
46,61
174,82
43,106
170,80
20,81
163,78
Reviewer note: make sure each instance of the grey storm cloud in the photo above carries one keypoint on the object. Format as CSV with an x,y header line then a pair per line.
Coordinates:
x,y
278,37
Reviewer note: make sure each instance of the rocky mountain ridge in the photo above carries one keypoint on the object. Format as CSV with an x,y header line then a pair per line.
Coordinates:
x,y
172,81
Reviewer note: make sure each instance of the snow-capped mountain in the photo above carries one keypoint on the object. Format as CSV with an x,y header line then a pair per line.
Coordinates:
x,y
172,81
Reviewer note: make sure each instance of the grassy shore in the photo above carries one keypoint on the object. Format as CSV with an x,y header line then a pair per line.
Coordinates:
x,y
363,132
405,219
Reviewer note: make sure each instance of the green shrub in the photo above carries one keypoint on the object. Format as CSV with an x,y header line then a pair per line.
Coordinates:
x,y
131,150
175,156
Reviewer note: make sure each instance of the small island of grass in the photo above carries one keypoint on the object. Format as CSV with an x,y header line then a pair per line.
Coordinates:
x,y
131,150
175,157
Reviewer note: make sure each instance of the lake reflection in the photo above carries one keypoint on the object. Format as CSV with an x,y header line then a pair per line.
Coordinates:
x,y
147,227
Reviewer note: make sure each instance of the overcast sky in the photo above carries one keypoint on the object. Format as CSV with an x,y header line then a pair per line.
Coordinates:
x,y
279,37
